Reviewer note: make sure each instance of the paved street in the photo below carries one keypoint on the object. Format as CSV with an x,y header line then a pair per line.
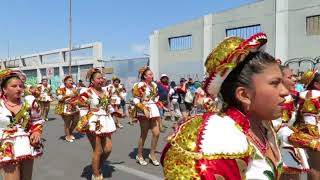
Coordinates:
x,y
65,161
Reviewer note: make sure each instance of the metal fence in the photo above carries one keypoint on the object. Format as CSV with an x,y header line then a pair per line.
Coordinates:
x,y
300,65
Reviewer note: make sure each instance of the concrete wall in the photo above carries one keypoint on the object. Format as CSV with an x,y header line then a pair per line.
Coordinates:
x,y
83,57
206,33
299,44
261,12
181,62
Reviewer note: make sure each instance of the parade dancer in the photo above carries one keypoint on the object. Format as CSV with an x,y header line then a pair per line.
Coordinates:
x,y
20,128
238,143
45,97
67,106
117,94
96,120
146,102
307,129
294,159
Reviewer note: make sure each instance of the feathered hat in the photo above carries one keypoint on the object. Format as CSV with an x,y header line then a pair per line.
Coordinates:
x,y
226,56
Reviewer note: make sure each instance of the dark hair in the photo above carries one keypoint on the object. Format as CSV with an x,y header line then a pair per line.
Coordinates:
x,y
241,76
5,81
144,73
93,75
173,84
314,80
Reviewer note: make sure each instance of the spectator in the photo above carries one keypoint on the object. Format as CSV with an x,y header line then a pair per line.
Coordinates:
x,y
80,84
163,91
182,91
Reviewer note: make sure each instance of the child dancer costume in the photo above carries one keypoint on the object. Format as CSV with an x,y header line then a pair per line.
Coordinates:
x,y
216,146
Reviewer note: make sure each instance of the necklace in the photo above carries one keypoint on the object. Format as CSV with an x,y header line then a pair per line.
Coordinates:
x,y
8,103
262,146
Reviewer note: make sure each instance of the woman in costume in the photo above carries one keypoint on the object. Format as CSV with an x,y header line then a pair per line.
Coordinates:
x,y
96,120
45,97
294,159
307,128
239,142
146,102
67,106
20,128
117,94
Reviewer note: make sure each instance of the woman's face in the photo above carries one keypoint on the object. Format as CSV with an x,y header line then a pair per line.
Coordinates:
x,y
97,80
14,88
267,94
148,76
288,79
45,82
68,82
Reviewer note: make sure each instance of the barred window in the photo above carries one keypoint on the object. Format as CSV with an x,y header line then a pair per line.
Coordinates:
x,y
313,25
244,32
180,43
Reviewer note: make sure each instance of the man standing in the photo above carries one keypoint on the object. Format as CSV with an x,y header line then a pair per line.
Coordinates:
x,y
163,91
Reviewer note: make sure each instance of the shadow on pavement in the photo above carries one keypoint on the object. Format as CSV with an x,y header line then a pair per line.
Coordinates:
x,y
108,169
146,152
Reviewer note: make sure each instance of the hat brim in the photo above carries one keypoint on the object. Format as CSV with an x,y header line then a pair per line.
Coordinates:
x,y
216,78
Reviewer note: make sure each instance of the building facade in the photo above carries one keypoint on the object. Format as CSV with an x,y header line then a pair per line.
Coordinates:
x,y
292,27
55,64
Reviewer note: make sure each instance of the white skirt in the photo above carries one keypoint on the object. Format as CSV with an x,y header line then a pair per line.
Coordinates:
x,y
101,124
16,147
154,111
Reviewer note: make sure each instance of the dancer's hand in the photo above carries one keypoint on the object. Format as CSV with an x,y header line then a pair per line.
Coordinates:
x,y
35,138
146,113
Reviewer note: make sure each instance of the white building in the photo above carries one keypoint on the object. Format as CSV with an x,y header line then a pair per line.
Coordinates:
x,y
292,27
55,63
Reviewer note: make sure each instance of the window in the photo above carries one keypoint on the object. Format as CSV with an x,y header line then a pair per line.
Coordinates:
x,y
244,32
313,25
180,43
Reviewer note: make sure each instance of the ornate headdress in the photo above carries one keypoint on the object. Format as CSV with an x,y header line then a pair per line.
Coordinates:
x,y
307,77
226,56
142,70
91,72
7,73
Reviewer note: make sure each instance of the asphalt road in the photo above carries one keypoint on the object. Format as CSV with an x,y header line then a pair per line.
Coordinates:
x,y
68,161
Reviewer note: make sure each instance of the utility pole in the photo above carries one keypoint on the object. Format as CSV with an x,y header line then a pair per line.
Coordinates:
x,y
70,34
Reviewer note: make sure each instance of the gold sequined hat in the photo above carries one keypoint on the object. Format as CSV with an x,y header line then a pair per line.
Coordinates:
x,y
307,77
226,56
7,73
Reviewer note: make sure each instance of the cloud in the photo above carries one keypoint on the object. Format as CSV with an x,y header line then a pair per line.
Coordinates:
x,y
140,48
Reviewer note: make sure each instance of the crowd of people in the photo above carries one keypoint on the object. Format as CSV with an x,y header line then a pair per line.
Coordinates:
x,y
250,118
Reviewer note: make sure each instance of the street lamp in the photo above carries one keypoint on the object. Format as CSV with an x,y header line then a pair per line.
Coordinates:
x,y
70,34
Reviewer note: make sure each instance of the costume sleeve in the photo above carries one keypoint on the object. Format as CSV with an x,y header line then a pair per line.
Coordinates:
x,y
137,92
35,121
59,93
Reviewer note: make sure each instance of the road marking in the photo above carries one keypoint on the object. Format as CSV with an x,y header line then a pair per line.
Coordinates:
x,y
135,172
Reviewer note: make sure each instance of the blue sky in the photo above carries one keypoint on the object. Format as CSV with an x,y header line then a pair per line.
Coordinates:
x,y
123,26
